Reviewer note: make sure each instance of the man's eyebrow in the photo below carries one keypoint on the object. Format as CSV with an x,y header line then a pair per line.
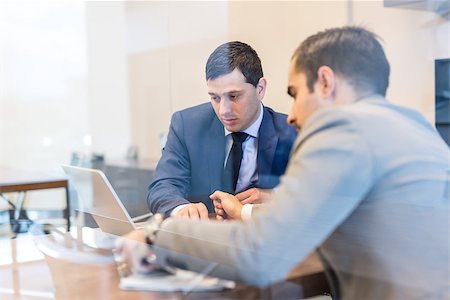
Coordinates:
x,y
291,91
234,92
226,93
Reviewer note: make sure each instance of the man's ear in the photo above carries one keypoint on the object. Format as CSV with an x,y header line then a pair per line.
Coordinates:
x,y
261,88
326,80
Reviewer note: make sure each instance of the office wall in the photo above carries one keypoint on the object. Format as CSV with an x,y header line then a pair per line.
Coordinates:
x,y
43,95
110,74
411,48
275,29
440,35
166,74
108,81
102,76
168,44
409,37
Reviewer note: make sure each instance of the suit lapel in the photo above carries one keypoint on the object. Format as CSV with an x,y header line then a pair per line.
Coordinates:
x,y
216,153
267,144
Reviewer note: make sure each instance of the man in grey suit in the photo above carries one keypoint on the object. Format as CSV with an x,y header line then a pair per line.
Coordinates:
x,y
200,144
367,186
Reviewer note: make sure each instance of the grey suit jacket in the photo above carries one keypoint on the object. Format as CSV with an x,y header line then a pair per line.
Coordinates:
x,y
368,184
191,165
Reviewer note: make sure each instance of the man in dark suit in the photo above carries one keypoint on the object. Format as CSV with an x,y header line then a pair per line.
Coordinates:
x,y
232,144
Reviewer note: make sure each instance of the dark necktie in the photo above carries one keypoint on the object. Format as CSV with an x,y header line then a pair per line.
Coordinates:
x,y
231,172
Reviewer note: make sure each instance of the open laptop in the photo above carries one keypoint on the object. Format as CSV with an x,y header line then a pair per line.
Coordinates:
x,y
101,201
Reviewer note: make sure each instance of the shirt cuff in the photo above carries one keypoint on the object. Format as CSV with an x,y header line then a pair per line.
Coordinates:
x,y
246,212
177,209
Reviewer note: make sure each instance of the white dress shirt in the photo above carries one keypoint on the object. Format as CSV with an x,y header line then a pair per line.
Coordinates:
x,y
248,171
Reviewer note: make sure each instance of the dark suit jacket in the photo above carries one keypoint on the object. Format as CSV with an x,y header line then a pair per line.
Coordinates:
x,y
192,161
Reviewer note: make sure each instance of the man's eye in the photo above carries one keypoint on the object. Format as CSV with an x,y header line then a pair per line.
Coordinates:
x,y
291,92
233,97
215,98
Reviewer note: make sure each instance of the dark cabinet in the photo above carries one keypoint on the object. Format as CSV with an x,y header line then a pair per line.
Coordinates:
x,y
130,179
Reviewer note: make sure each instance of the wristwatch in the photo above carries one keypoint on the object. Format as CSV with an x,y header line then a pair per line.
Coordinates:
x,y
152,227
151,230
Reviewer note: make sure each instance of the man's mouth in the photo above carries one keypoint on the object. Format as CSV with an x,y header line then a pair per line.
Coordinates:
x,y
229,121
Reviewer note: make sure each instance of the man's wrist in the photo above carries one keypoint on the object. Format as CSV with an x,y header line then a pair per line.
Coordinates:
x,y
177,209
152,227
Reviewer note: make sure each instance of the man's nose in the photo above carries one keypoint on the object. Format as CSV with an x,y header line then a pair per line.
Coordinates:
x,y
290,119
225,107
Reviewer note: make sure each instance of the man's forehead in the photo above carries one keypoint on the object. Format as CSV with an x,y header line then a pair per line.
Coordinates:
x,y
295,74
235,74
228,83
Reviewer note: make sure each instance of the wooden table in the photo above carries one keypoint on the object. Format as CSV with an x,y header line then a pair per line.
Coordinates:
x,y
48,277
17,181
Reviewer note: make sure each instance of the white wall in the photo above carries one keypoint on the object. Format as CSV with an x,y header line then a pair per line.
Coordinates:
x,y
172,40
43,94
168,44
410,49
412,40
108,98
275,29
43,68
440,32
116,71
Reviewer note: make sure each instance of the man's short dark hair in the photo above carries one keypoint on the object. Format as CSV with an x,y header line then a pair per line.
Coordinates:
x,y
232,55
353,52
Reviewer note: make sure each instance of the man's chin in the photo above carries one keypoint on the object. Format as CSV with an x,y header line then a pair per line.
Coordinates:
x,y
233,128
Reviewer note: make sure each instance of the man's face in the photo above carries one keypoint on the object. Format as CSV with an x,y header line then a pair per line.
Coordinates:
x,y
305,103
236,102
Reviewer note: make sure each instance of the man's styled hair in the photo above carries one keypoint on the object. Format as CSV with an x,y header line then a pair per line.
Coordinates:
x,y
353,52
232,55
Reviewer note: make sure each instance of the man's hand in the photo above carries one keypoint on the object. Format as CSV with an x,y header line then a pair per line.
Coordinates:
x,y
226,204
133,250
254,196
193,211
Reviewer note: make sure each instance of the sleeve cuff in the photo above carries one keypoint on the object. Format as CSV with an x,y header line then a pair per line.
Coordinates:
x,y
246,212
177,209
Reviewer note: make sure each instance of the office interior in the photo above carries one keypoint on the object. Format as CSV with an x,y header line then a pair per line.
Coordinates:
x,y
96,82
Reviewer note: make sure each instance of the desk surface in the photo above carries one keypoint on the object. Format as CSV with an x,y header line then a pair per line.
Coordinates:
x,y
12,180
25,272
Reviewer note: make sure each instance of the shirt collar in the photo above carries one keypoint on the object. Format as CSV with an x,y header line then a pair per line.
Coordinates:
x,y
252,130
